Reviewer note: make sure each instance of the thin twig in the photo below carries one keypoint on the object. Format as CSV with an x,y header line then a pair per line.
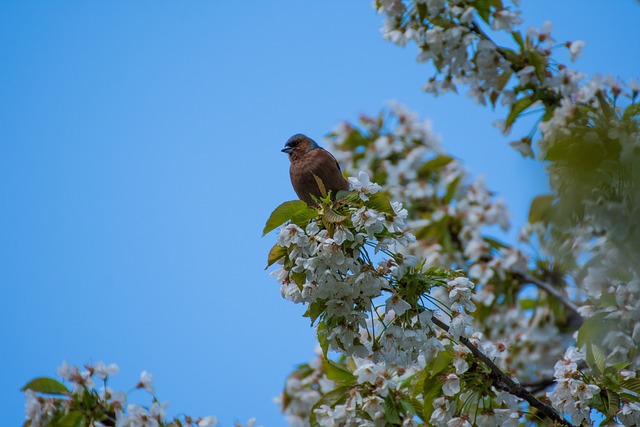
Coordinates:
x,y
539,385
550,289
505,382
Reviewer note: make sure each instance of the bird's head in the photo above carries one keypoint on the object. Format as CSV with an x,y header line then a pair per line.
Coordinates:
x,y
298,145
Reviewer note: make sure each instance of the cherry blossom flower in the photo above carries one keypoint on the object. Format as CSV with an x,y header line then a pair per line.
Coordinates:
x,y
575,49
363,185
145,381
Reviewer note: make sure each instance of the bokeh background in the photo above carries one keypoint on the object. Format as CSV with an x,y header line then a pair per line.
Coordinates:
x,y
140,156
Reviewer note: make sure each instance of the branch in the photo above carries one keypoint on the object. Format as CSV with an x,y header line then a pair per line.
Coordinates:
x,y
552,290
476,29
505,382
539,385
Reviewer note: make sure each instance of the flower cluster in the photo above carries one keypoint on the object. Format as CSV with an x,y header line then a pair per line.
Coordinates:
x,y
50,402
327,264
458,48
360,392
389,317
302,391
524,304
448,213
571,394
360,389
520,76
371,385
598,192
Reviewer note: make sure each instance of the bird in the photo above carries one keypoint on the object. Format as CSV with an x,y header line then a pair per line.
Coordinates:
x,y
308,159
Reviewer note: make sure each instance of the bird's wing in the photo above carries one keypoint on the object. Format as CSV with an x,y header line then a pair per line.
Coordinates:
x,y
334,159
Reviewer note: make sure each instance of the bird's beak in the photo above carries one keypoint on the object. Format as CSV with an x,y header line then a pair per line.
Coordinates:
x,y
287,150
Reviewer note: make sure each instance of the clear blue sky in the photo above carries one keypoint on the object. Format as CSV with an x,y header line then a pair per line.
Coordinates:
x,y
140,155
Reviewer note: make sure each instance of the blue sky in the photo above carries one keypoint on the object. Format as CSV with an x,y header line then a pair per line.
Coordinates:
x,y
140,156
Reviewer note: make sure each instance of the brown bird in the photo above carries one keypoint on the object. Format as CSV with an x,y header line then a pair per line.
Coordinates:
x,y
309,159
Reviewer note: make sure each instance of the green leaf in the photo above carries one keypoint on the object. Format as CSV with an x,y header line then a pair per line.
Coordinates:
x,y
631,111
517,109
548,112
275,254
438,272
593,329
418,407
629,396
380,202
621,365
493,97
560,150
321,187
431,390
406,407
343,194
295,211
494,243
391,411
316,309
354,140
632,384
337,372
331,399
511,56
46,385
351,364
299,277
482,7
333,216
540,208
614,402
539,62
596,359
503,78
528,304
71,419
418,384
441,362
517,37
435,164
604,105
322,337
451,190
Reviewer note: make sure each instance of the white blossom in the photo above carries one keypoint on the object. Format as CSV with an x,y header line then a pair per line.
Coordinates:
x,y
209,421
363,185
145,381
103,371
451,385
575,49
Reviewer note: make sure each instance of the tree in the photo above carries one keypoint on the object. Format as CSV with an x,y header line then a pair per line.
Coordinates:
x,y
402,363
422,318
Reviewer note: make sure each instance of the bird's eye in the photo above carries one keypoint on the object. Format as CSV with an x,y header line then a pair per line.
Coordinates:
x,y
295,140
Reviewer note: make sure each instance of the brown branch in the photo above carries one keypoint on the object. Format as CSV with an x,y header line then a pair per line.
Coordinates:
x,y
551,290
505,382
539,385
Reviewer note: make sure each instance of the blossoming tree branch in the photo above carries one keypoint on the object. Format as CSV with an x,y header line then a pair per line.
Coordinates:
x,y
554,321
422,317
